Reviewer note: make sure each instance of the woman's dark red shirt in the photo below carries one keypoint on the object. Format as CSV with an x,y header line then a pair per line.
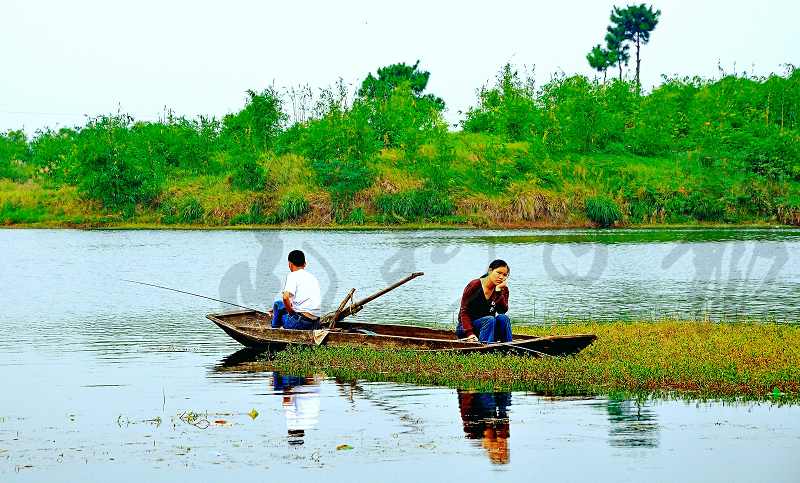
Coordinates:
x,y
475,305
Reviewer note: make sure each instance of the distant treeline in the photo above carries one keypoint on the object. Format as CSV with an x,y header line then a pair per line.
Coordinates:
x,y
572,151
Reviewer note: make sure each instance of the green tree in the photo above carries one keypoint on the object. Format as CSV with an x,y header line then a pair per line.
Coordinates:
x,y
400,113
507,109
257,125
392,76
114,168
600,59
635,23
14,152
615,44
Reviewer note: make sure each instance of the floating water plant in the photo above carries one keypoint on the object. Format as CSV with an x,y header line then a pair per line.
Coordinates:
x,y
749,361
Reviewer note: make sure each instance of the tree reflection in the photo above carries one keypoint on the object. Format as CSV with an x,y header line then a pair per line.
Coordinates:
x,y
633,424
485,419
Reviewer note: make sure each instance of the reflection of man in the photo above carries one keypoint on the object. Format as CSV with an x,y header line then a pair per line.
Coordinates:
x,y
300,404
485,417
298,307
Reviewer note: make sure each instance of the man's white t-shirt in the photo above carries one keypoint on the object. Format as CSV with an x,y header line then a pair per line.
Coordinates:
x,y
302,407
304,288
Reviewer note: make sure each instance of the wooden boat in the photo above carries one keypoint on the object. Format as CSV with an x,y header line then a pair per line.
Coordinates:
x,y
252,329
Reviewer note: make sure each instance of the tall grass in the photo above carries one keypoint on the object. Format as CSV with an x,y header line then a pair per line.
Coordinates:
x,y
414,205
603,211
292,207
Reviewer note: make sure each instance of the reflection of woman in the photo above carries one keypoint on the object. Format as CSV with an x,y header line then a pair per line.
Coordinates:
x,y
484,305
485,417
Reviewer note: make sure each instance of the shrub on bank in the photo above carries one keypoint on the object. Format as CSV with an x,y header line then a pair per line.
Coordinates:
x,y
291,207
414,205
603,210
113,169
248,173
14,154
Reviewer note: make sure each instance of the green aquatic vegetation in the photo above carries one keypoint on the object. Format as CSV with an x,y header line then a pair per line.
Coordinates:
x,y
195,419
125,421
691,359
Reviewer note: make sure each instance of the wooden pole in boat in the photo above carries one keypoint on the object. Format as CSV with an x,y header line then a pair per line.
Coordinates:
x,y
331,318
357,306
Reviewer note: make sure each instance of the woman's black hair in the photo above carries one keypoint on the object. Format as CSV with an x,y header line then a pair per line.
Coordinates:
x,y
497,264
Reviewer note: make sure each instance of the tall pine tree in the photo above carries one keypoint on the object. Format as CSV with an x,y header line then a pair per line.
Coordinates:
x,y
635,23
615,44
600,59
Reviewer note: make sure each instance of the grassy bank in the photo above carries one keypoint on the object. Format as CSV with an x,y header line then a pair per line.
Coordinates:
x,y
572,152
648,192
744,361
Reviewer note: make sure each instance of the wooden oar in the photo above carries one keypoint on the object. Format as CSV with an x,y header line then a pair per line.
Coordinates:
x,y
356,307
332,320
341,311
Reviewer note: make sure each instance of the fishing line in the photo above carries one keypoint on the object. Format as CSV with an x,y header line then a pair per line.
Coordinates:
x,y
196,295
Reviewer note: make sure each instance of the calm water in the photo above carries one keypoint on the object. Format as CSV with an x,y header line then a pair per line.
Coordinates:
x,y
105,380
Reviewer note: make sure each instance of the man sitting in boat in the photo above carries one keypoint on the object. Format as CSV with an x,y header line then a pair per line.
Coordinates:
x,y
484,305
299,301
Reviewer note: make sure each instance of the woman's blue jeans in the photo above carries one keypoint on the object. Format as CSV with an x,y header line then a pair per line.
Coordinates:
x,y
489,329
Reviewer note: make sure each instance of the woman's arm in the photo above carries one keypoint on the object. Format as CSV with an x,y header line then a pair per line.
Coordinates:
x,y
501,301
463,313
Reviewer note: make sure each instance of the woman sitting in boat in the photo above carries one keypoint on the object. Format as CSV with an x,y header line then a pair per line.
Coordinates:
x,y
484,305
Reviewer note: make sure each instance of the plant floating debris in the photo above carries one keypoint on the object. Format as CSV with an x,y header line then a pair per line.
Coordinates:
x,y
195,419
253,414
691,359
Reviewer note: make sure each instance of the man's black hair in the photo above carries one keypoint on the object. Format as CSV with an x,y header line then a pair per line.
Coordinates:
x,y
297,257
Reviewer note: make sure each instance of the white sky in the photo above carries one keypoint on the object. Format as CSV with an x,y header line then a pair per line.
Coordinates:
x,y
62,60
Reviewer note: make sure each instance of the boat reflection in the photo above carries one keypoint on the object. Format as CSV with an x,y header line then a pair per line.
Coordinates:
x,y
485,419
241,357
300,403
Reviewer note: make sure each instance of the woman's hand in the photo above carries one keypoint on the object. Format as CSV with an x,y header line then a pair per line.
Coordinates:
x,y
470,338
500,286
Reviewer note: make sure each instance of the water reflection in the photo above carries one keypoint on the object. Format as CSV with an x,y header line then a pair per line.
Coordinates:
x,y
485,419
386,401
300,403
246,364
633,424
240,357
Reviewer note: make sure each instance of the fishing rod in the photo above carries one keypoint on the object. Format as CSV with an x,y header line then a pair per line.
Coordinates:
x,y
196,295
